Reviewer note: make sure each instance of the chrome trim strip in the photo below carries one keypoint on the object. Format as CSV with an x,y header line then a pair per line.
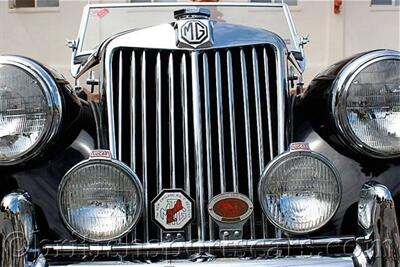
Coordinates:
x,y
133,93
82,31
189,246
109,98
292,27
267,90
133,110
172,4
159,183
185,123
257,96
171,121
231,97
221,150
144,151
377,220
260,140
120,74
197,126
246,113
75,69
51,92
282,96
305,261
17,226
158,123
207,111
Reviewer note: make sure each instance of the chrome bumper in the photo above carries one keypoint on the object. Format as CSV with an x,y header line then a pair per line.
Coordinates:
x,y
291,261
379,245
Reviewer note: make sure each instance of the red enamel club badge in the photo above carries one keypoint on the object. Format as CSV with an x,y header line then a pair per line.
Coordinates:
x,y
172,210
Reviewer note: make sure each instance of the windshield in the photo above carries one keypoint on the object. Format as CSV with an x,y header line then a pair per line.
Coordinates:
x,y
102,21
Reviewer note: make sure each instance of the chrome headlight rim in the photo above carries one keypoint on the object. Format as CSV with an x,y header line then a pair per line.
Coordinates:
x,y
50,90
276,161
340,88
114,163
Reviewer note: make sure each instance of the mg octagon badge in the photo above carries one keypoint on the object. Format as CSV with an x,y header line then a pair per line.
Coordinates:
x,y
194,33
172,210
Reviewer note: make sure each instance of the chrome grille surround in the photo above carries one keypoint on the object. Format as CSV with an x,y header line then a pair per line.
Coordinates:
x,y
189,70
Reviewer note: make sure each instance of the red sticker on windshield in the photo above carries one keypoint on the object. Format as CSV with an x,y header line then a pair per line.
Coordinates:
x,y
101,13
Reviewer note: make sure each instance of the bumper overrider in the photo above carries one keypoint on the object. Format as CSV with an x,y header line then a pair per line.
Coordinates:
x,y
377,245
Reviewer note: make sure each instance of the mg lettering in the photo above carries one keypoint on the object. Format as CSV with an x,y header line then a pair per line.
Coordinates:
x,y
194,32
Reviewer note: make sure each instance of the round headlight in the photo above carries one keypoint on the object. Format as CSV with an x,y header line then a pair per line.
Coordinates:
x,y
366,104
100,199
30,109
299,191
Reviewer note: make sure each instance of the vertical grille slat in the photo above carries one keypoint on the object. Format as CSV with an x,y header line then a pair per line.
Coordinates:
x,y
144,150
120,88
132,87
221,150
205,121
158,124
246,112
185,129
198,147
171,120
231,96
159,164
260,141
132,116
268,96
207,111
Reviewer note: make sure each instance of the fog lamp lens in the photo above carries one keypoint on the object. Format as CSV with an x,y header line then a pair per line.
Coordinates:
x,y
100,200
299,191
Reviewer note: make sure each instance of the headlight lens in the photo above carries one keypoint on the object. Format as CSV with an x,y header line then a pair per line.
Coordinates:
x,y
299,191
100,200
30,109
367,104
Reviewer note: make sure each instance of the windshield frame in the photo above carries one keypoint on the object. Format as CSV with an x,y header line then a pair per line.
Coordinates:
x,y
86,13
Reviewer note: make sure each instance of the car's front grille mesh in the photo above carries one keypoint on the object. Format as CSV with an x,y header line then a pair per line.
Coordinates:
x,y
204,121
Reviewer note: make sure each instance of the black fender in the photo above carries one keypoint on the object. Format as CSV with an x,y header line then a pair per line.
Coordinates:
x,y
313,124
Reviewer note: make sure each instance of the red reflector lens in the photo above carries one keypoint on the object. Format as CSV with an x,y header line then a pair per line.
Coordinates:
x,y
230,208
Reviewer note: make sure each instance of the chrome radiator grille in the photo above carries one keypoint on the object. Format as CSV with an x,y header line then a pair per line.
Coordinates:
x,y
205,121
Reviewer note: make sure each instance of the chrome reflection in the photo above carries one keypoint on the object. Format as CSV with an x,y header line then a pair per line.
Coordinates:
x,y
295,185
100,199
377,220
17,226
366,104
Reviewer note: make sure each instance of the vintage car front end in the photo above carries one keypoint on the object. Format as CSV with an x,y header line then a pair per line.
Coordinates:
x,y
194,142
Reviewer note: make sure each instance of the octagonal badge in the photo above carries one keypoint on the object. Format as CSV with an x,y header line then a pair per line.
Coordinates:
x,y
194,33
172,210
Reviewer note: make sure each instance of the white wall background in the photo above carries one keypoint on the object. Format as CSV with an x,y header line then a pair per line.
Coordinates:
x,y
41,33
